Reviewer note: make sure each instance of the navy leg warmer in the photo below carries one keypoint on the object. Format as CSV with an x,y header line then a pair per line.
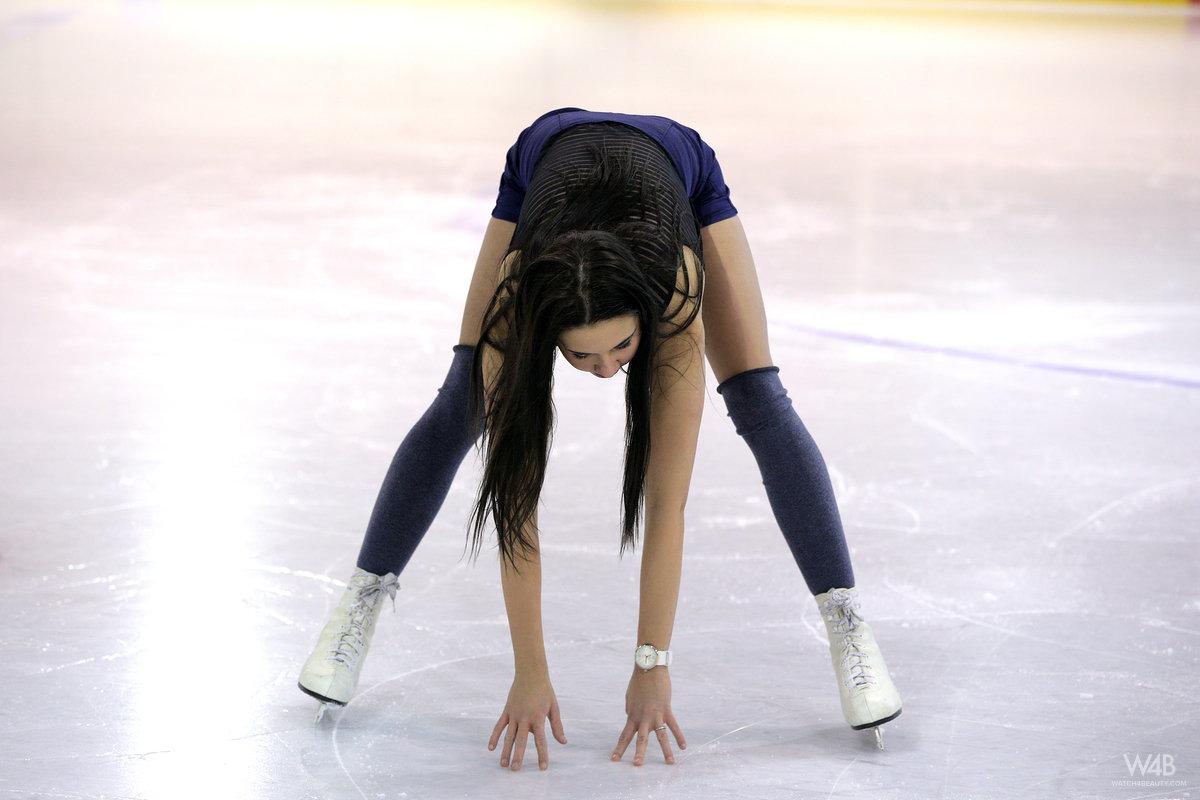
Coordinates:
x,y
794,474
422,470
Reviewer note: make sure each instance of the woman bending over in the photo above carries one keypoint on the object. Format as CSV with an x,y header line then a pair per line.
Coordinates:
x,y
614,245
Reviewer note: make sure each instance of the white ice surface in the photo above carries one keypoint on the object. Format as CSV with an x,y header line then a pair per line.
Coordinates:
x,y
234,246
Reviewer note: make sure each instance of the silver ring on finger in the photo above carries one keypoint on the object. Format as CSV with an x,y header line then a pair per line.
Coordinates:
x,y
661,727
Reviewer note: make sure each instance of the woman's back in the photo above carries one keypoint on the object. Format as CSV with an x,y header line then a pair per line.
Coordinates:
x,y
569,160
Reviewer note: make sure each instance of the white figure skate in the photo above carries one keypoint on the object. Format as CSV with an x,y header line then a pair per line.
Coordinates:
x,y
331,672
869,698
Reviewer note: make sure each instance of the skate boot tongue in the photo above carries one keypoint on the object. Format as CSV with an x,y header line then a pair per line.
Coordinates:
x,y
368,587
843,612
368,590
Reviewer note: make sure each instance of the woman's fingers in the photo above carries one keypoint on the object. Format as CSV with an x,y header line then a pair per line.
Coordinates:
x,y
509,738
522,740
642,729
665,741
496,731
669,718
539,740
623,741
643,739
556,726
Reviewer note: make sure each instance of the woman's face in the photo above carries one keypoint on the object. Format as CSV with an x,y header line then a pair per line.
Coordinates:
x,y
602,347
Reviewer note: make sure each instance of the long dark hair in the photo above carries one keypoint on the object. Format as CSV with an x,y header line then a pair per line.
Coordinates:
x,y
608,250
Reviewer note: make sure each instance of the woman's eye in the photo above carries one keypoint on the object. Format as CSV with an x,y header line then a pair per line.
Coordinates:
x,y
618,347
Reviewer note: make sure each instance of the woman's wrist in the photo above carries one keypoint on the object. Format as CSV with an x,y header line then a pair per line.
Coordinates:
x,y
527,665
651,675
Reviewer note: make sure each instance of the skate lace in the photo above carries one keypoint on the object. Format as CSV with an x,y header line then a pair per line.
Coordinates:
x,y
350,644
841,608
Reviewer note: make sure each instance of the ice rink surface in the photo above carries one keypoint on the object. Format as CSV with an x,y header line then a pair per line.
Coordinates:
x,y
235,241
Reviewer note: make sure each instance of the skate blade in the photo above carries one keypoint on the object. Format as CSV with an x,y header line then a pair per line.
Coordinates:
x,y
877,722
323,703
878,726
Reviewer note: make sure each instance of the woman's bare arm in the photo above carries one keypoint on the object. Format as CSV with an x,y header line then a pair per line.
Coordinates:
x,y
676,410
523,600
522,585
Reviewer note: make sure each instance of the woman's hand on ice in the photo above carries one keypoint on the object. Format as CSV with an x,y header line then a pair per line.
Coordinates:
x,y
648,706
530,700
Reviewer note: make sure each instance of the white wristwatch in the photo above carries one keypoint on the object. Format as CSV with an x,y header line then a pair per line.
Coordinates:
x,y
647,657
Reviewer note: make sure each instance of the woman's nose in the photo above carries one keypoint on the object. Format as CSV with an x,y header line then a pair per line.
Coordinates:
x,y
606,370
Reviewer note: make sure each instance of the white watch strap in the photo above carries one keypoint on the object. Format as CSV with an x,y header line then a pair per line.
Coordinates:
x,y
664,658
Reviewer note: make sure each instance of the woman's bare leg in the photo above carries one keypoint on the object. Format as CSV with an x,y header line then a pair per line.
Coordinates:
x,y
496,239
735,321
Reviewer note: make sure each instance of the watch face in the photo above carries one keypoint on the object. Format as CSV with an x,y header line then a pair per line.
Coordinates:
x,y
645,656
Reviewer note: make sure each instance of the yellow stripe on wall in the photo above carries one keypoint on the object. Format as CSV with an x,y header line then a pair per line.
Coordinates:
x,y
1181,15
